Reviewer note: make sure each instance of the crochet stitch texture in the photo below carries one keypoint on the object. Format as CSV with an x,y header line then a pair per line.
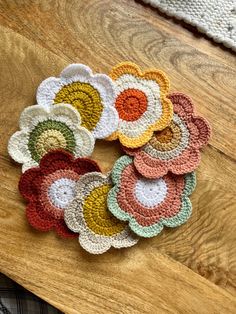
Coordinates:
x,y
141,103
67,193
88,215
91,94
177,147
44,129
50,187
146,204
215,18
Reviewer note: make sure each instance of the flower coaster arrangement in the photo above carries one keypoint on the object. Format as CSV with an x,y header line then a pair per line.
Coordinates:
x,y
147,189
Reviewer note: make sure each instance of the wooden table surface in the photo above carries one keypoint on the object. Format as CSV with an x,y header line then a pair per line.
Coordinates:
x,y
190,269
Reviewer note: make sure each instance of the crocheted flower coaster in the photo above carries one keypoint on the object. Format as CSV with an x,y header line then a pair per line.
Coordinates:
x,y
176,148
88,215
45,129
92,95
141,103
148,204
50,187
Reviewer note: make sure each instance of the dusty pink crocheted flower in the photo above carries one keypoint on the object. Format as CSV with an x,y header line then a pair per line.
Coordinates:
x,y
149,205
176,148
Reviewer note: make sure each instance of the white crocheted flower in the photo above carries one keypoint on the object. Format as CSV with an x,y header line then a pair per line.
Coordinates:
x,y
88,215
92,95
45,129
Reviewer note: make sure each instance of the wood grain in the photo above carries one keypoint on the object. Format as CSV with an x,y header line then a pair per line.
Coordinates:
x,y
37,40
187,34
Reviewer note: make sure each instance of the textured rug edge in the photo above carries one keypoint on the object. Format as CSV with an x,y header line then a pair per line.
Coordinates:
x,y
228,43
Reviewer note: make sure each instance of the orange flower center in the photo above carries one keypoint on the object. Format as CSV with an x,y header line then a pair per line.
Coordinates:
x,y
131,104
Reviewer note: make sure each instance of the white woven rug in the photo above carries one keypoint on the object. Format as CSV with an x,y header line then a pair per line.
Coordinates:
x,y
215,18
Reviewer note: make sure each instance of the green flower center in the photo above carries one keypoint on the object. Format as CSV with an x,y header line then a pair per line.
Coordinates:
x,y
48,135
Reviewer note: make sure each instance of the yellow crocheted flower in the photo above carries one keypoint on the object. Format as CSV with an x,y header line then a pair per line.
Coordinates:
x,y
141,103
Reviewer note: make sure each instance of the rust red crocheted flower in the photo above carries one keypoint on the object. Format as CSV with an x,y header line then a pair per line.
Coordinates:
x,y
176,148
50,187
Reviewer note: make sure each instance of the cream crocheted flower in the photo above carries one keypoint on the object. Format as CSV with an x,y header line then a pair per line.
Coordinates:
x,y
91,94
45,129
88,215
141,103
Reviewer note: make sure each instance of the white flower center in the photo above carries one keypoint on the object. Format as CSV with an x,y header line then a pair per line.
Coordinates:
x,y
62,192
150,193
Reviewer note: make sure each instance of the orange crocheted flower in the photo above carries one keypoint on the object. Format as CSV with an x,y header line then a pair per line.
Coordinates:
x,y
141,103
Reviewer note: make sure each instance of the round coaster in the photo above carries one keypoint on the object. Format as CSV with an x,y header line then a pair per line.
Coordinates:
x,y
88,215
50,187
91,94
177,147
45,129
141,103
148,204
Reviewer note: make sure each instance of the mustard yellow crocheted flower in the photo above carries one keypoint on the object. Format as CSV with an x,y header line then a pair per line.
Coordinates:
x,y
91,94
141,103
88,214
